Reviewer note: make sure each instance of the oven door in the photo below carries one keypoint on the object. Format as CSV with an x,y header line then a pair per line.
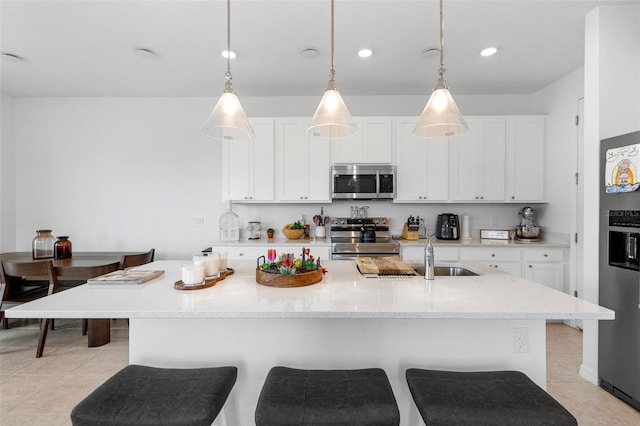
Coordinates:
x,y
342,251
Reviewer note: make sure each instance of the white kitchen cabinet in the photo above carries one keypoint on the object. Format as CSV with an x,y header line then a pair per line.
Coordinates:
x,y
303,163
545,266
415,253
372,144
548,274
247,171
422,172
478,161
525,158
237,252
507,259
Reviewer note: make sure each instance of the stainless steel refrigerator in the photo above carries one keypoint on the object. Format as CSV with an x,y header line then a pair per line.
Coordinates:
x,y
619,284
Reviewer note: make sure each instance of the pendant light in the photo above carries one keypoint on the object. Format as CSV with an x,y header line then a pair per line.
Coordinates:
x,y
441,116
228,121
332,118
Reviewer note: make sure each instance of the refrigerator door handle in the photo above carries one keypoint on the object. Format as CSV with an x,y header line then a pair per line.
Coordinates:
x,y
632,247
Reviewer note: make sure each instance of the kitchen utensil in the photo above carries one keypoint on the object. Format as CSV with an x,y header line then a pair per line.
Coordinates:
x,y
368,233
254,228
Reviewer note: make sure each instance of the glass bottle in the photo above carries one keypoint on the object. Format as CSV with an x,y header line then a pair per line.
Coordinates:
x,y
229,225
62,248
42,245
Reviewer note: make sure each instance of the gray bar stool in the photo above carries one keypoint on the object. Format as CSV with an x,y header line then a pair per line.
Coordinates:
x,y
483,398
327,397
139,395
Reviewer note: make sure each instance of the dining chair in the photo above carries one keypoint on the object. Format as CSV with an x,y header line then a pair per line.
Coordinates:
x,y
131,260
17,288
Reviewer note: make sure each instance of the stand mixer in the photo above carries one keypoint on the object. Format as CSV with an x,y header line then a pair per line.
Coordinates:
x,y
527,230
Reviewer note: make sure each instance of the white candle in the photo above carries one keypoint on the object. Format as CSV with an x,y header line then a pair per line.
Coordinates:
x,y
212,264
192,274
223,260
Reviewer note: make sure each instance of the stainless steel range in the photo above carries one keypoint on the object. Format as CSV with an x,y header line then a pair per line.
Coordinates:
x,y
352,237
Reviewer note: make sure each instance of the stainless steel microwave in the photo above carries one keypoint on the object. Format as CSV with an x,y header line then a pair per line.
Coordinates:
x,y
363,181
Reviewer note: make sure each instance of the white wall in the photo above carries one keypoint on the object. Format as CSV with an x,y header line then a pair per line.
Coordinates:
x,y
612,108
133,173
7,175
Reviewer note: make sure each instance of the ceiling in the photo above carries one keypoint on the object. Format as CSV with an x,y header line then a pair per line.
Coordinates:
x,y
87,48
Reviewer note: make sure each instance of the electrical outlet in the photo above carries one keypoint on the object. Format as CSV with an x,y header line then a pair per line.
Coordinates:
x,y
198,221
520,340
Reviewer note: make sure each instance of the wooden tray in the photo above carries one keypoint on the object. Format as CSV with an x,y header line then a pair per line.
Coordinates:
x,y
179,285
283,281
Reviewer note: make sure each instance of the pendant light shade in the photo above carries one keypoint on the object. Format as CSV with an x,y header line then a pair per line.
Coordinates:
x,y
332,118
441,116
228,121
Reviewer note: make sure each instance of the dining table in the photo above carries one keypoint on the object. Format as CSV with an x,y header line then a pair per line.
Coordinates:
x,y
77,270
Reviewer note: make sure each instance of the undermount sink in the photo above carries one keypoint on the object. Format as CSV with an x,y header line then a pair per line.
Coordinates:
x,y
447,271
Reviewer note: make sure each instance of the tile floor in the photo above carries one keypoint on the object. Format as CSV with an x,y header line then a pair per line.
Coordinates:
x,y
43,391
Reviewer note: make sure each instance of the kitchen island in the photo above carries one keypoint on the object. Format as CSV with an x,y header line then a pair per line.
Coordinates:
x,y
486,322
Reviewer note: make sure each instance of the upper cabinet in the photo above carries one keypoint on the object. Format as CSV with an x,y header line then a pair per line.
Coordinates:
x,y
525,158
247,172
500,159
478,160
303,163
371,144
422,165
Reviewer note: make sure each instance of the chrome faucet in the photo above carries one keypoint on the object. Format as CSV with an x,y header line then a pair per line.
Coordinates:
x,y
429,261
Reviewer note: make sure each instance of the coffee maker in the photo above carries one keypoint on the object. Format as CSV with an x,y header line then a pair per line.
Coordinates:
x,y
448,227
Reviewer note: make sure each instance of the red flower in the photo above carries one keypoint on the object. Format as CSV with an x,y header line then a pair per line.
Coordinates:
x,y
307,251
311,258
324,271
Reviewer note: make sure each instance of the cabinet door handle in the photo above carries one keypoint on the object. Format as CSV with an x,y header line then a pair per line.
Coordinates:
x,y
482,197
476,197
513,198
545,255
530,266
493,255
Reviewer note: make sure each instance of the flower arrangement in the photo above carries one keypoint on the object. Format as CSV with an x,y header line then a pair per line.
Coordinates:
x,y
287,264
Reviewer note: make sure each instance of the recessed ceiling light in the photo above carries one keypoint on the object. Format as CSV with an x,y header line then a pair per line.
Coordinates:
x,y
489,51
229,54
431,52
365,53
309,53
11,57
145,53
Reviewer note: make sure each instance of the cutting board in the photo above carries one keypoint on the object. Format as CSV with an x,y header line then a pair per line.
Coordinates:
x,y
383,266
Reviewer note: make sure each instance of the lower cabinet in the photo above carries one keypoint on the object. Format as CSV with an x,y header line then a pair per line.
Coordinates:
x,y
545,267
235,252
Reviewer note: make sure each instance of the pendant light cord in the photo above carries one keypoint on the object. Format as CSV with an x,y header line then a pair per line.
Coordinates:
x,y
332,72
441,71
228,74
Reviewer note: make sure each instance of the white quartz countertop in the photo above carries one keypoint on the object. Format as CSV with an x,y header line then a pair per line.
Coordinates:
x,y
343,293
478,242
326,242
270,242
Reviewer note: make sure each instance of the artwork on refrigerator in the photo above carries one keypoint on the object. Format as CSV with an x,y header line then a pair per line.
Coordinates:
x,y
621,169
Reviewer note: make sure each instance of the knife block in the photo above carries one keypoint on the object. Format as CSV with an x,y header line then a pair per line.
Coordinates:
x,y
408,233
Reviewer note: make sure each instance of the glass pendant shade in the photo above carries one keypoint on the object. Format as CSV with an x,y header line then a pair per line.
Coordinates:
x,y
441,116
228,121
332,118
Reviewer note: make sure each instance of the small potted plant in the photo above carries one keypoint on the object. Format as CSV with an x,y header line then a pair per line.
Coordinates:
x,y
270,232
